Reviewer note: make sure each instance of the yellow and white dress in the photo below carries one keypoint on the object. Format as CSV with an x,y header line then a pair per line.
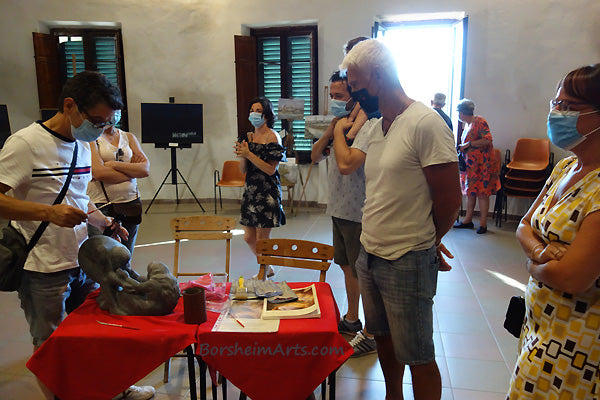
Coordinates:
x,y
560,341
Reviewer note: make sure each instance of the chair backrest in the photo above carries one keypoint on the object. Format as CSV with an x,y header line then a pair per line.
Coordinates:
x,y
531,154
201,227
294,253
231,175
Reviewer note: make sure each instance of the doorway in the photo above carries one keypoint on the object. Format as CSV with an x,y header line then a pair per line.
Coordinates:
x,y
430,52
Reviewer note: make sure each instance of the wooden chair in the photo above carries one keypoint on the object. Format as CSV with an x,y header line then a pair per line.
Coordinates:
x,y
230,177
290,192
297,254
294,253
199,227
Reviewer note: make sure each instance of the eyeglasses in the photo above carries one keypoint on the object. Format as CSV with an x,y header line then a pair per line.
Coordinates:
x,y
120,154
564,105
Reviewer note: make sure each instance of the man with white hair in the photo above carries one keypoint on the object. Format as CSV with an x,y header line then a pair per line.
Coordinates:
x,y
412,199
438,102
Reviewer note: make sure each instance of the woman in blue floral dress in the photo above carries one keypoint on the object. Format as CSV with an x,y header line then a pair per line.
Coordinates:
x,y
260,153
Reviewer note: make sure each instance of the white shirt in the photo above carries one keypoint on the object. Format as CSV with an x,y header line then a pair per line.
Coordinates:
x,y
35,163
117,192
397,216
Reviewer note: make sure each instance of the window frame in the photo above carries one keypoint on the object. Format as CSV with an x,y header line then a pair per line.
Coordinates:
x,y
88,35
284,33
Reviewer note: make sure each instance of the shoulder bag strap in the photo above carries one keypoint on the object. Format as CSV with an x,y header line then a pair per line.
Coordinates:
x,y
104,191
40,230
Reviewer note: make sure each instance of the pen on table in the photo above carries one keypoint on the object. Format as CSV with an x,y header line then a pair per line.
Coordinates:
x,y
118,325
96,209
236,320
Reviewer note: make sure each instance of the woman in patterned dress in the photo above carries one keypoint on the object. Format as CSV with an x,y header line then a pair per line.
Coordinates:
x,y
559,345
481,179
260,152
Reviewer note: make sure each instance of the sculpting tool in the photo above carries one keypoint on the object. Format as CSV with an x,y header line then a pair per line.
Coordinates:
x,y
121,326
102,206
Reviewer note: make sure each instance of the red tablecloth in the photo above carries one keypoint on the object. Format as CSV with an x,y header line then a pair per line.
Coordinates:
x,y
83,359
288,364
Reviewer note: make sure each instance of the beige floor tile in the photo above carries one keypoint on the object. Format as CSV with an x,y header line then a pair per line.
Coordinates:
x,y
471,346
486,376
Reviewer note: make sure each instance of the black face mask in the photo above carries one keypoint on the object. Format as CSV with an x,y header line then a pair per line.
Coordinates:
x,y
367,102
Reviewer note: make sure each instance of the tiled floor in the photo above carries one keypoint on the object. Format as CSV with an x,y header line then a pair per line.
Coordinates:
x,y
474,352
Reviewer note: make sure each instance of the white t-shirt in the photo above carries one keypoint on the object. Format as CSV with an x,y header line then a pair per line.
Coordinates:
x,y
397,216
35,163
347,192
117,192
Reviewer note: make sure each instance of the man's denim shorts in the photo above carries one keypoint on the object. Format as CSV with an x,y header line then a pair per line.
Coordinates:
x,y
46,297
398,299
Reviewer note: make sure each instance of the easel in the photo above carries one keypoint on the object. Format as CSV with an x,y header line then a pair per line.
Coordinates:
x,y
174,171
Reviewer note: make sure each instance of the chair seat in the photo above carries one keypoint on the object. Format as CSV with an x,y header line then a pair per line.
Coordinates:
x,y
528,165
528,176
231,183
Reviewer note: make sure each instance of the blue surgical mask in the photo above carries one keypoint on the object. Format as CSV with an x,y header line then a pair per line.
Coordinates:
x,y
562,128
86,132
367,102
256,119
115,118
338,108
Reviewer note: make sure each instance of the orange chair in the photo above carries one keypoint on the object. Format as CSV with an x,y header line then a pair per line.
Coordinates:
x,y
231,177
531,155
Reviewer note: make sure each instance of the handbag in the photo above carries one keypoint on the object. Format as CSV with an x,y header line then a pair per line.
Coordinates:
x,y
515,316
462,164
129,212
14,249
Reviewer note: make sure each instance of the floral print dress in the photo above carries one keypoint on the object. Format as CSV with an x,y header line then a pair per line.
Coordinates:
x,y
559,354
481,177
261,202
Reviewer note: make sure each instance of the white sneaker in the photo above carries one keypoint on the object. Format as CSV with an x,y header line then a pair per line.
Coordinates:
x,y
136,393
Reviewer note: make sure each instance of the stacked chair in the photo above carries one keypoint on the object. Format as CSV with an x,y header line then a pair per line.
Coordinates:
x,y
524,175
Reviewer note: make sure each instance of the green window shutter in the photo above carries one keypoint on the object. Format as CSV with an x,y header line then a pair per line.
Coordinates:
x,y
300,66
106,58
74,47
269,70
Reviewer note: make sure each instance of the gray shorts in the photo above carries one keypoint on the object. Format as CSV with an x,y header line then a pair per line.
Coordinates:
x,y
397,298
346,242
46,297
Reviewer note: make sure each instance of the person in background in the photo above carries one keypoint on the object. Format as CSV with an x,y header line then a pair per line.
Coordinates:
x,y
33,164
117,160
438,102
559,352
480,180
260,152
344,205
412,199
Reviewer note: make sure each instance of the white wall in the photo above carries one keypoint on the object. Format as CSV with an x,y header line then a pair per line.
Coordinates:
x,y
517,51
